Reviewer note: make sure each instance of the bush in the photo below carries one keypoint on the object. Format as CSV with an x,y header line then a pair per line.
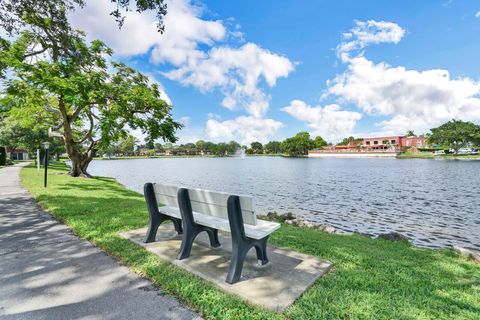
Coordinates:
x,y
429,149
3,156
149,153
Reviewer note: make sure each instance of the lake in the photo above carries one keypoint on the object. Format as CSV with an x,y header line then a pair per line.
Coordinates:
x,y
434,202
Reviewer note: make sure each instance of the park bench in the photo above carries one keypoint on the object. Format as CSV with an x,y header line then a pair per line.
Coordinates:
x,y
193,211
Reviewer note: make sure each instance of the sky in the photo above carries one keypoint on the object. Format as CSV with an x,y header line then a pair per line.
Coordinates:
x,y
265,70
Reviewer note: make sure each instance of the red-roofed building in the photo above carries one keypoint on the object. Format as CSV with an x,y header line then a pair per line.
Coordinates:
x,y
378,146
391,142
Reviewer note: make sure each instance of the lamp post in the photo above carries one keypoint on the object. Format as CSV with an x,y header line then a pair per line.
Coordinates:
x,y
46,145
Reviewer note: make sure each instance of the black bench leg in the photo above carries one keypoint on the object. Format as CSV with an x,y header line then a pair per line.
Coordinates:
x,y
155,217
190,228
151,232
187,241
177,223
156,221
213,236
261,248
236,265
189,236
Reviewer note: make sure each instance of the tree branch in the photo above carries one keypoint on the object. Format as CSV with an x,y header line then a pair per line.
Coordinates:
x,y
50,109
34,53
88,135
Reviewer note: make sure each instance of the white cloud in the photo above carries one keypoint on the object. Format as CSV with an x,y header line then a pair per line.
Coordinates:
x,y
185,121
184,32
477,15
368,32
415,99
329,122
409,99
135,37
179,43
244,129
163,94
238,72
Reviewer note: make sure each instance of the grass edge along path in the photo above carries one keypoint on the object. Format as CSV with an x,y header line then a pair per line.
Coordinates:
x,y
370,279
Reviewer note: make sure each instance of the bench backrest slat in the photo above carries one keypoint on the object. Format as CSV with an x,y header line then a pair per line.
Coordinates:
x,y
166,195
215,204
206,202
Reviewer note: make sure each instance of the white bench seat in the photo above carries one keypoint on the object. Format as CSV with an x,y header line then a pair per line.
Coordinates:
x,y
193,211
260,230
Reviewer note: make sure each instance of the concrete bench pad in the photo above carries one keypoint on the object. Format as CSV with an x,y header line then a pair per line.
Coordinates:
x,y
274,286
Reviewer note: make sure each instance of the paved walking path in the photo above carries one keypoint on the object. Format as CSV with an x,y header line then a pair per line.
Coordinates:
x,y
46,272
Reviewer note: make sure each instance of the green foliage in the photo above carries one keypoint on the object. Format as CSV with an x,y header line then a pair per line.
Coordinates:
x,y
157,146
149,153
201,145
91,101
218,149
125,146
319,142
149,143
273,147
456,134
15,134
371,278
299,144
410,133
128,143
348,140
256,148
3,156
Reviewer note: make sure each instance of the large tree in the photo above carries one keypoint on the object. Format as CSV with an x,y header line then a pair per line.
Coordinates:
x,y
319,142
410,133
96,101
272,147
347,140
53,71
298,144
456,134
256,147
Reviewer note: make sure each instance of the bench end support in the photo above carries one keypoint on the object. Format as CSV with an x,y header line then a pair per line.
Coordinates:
x,y
241,244
155,217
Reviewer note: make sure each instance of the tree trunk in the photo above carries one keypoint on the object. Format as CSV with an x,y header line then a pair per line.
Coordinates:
x,y
79,169
79,160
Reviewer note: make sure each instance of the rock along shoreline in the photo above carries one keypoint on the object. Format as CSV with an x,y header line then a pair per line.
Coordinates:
x,y
293,220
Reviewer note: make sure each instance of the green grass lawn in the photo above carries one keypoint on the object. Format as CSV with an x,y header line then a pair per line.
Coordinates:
x,y
371,279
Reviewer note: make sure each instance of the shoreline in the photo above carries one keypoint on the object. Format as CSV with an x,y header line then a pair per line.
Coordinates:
x,y
401,156
300,222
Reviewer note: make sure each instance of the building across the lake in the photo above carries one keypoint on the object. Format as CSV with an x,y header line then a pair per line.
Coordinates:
x,y
389,146
385,143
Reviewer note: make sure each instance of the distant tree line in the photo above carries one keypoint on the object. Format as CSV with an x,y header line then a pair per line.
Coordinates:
x,y
296,145
454,134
